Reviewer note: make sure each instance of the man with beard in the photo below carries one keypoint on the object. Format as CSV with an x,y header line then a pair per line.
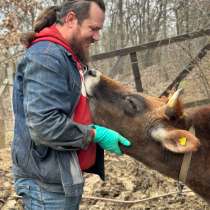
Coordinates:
x,y
54,138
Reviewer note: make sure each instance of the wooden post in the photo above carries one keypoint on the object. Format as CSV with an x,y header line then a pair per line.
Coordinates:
x,y
10,72
2,115
2,128
9,121
3,87
136,72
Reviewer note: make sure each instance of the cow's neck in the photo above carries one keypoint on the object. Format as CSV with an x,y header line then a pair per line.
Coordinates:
x,y
199,175
169,164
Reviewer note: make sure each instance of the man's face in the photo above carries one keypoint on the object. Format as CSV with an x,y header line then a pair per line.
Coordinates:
x,y
87,32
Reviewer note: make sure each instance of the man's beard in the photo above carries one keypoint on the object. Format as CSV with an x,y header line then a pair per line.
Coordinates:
x,y
80,51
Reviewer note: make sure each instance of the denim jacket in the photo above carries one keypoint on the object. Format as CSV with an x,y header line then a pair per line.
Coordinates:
x,y
46,90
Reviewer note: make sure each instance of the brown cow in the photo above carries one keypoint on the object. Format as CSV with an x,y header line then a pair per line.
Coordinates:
x,y
151,124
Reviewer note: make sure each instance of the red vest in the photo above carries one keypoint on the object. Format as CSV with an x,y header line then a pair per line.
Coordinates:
x,y
82,115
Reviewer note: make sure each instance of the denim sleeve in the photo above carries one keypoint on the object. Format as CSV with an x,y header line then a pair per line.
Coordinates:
x,y
47,105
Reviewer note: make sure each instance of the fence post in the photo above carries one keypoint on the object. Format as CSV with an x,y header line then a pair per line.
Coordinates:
x,y
9,116
2,115
2,129
136,71
10,72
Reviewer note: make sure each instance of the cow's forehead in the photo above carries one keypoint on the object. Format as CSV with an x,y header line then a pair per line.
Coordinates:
x,y
155,101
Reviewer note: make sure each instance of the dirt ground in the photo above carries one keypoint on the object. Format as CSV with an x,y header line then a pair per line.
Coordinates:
x,y
126,179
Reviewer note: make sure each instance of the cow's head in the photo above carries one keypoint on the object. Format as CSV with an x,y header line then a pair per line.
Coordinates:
x,y
142,119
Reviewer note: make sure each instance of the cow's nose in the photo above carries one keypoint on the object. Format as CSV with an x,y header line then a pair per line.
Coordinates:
x,y
92,73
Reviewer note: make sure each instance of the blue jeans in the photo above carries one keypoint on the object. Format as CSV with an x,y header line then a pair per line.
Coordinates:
x,y
36,198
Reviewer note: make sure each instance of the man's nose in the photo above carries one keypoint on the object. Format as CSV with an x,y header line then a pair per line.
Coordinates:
x,y
96,35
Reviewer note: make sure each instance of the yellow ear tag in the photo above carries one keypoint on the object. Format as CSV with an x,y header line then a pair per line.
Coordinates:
x,y
183,141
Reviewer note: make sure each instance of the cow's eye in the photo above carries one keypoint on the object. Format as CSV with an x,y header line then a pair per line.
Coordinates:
x,y
133,104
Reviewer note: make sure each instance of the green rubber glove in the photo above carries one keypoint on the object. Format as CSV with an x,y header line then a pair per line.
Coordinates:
x,y
109,140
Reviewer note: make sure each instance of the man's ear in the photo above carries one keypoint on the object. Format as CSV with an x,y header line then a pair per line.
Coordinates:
x,y
70,19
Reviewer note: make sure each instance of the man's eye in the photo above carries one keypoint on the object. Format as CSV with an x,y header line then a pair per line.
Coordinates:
x,y
94,29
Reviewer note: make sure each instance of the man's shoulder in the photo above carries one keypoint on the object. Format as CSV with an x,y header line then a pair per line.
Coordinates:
x,y
49,53
47,47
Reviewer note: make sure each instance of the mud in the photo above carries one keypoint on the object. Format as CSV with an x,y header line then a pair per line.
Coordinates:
x,y
126,180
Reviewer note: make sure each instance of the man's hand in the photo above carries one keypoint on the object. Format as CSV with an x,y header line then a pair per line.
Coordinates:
x,y
109,140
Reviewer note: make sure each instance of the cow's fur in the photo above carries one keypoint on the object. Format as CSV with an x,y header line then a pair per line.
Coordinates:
x,y
135,116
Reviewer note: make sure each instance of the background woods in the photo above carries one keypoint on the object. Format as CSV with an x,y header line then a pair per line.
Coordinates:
x,y
128,23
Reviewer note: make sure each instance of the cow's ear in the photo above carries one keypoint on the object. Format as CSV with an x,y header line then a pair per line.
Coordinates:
x,y
133,104
176,140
